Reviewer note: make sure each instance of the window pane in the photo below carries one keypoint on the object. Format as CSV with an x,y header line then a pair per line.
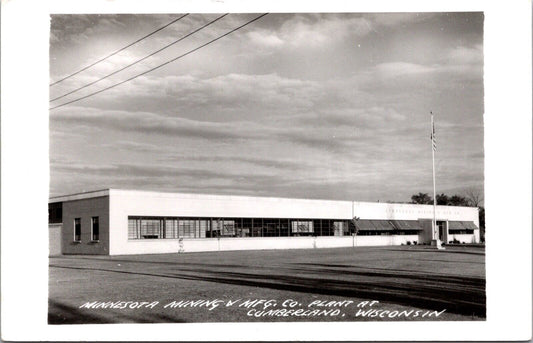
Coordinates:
x,y
77,229
202,228
133,231
228,228
246,227
338,228
186,228
301,227
150,229
95,229
257,229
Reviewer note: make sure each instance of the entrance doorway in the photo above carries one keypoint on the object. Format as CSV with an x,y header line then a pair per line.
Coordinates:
x,y
441,224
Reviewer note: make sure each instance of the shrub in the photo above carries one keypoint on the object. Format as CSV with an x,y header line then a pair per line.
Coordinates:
x,y
408,242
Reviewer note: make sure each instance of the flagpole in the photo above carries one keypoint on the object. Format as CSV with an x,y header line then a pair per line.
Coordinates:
x,y
435,236
434,188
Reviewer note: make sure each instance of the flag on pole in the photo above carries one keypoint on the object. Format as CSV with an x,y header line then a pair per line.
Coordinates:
x,y
433,139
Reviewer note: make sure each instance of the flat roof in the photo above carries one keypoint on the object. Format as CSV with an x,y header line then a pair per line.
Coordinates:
x,y
78,196
107,192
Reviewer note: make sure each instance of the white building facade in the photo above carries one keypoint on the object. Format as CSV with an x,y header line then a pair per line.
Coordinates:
x,y
118,222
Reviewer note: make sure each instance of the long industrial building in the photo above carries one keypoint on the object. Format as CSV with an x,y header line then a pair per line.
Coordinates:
x,y
117,222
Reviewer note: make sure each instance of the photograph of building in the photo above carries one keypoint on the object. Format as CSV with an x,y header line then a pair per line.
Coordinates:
x,y
250,156
117,222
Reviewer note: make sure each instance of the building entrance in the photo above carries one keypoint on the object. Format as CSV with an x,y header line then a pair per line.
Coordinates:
x,y
441,224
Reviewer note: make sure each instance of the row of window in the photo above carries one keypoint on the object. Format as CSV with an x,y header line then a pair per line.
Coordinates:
x,y
95,229
173,227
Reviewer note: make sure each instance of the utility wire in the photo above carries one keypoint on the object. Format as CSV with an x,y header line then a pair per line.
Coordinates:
x,y
139,60
119,50
161,65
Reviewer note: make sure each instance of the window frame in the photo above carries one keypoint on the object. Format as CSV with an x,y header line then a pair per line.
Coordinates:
x,y
79,234
92,229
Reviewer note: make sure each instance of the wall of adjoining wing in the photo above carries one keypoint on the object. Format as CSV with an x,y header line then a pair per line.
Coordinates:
x,y
54,239
85,209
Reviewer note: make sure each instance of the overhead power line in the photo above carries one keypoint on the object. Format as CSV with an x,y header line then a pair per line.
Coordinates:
x,y
119,50
139,60
161,65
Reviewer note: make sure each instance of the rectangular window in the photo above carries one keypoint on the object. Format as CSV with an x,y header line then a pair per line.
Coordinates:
x,y
338,228
133,228
246,227
95,229
257,229
228,228
326,227
77,229
151,229
300,227
187,228
203,228
271,227
171,228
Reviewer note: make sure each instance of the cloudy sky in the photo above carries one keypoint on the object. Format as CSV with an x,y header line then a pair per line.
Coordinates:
x,y
329,106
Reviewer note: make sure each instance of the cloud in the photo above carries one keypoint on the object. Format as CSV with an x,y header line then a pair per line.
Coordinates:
x,y
396,69
228,92
142,171
234,160
265,38
328,143
160,177
267,90
134,146
463,55
311,30
147,123
465,63
395,19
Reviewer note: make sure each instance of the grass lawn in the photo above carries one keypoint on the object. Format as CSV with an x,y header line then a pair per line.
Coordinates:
x,y
323,284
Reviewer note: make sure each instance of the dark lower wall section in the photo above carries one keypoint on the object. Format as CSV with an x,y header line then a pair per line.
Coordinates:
x,y
85,209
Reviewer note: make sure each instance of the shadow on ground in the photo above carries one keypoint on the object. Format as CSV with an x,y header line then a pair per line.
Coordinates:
x,y
432,291
60,313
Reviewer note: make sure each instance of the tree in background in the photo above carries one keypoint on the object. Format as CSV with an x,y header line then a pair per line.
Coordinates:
x,y
442,199
457,200
474,196
482,224
421,198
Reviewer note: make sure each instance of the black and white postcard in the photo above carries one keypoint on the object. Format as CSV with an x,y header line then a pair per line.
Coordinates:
x,y
267,172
